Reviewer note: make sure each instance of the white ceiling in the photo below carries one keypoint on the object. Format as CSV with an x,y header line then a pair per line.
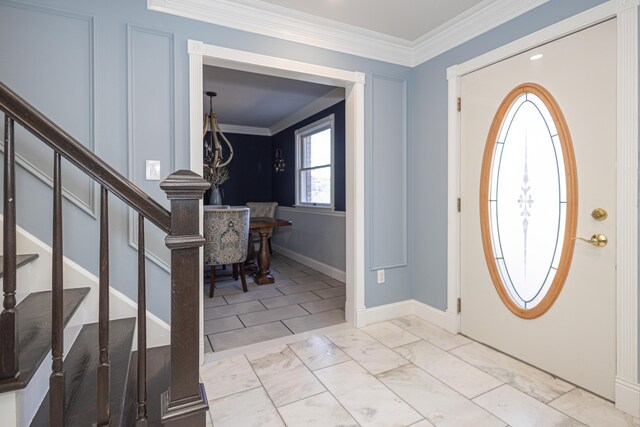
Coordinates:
x,y
404,32
257,100
405,19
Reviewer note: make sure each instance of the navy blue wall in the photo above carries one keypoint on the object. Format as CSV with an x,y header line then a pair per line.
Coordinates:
x,y
249,171
283,183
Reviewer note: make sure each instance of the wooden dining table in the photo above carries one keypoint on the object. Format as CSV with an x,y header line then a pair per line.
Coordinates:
x,y
263,226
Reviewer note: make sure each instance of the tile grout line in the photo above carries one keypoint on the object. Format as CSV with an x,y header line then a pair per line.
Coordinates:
x,y
378,380
418,367
327,388
489,374
265,389
285,325
444,384
512,358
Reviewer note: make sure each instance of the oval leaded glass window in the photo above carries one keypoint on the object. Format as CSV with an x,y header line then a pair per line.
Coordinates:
x,y
528,200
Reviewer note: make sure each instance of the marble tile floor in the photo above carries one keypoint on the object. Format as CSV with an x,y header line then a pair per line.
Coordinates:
x,y
403,372
300,300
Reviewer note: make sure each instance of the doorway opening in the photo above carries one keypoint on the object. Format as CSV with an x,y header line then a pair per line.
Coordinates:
x,y
347,82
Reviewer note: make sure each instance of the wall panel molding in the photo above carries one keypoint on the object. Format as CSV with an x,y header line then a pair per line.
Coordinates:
x,y
132,162
88,205
388,149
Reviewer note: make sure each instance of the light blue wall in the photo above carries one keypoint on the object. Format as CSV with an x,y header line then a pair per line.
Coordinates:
x,y
325,231
427,168
116,76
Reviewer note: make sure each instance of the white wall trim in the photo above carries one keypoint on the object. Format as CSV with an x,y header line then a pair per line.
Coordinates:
x,y
353,82
627,396
478,20
313,211
195,156
131,139
158,331
386,312
402,213
320,104
87,206
408,307
323,268
627,389
245,130
288,24
627,206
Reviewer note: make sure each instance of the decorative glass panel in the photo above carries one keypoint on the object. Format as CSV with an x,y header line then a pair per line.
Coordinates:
x,y
527,200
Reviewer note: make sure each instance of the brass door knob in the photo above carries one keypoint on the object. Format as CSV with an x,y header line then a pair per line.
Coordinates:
x,y
599,240
599,214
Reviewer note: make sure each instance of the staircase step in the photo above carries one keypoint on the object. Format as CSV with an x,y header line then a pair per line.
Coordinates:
x,y
158,359
21,261
81,365
34,332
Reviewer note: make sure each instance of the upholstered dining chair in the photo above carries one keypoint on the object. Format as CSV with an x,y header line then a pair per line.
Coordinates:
x,y
263,209
226,233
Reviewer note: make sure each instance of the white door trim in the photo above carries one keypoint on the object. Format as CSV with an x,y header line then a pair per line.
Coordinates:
x,y
353,82
627,392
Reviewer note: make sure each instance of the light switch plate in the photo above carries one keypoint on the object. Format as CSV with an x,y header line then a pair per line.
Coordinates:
x,y
153,170
380,276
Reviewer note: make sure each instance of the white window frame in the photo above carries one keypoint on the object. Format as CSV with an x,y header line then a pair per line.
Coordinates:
x,y
317,126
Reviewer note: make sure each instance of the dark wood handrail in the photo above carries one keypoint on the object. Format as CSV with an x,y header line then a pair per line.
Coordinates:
x,y
72,150
185,401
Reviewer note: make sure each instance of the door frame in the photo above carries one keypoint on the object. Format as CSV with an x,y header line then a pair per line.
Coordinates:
x,y
353,81
627,389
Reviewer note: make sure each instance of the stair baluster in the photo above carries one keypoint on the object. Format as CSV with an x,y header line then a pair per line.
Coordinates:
x,y
185,402
57,381
142,328
8,319
104,414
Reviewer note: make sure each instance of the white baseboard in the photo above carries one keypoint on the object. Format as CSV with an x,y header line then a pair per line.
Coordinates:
x,y
627,396
385,312
381,313
312,263
444,319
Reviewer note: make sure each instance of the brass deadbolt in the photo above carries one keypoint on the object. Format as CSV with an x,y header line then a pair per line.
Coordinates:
x,y
599,214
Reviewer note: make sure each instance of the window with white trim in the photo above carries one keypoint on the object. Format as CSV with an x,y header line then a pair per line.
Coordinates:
x,y
314,164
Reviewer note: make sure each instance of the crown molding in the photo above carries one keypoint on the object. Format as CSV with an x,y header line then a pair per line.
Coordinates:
x,y
287,24
320,104
283,23
309,110
481,18
245,130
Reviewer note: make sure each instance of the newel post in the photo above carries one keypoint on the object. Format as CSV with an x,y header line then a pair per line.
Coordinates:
x,y
185,402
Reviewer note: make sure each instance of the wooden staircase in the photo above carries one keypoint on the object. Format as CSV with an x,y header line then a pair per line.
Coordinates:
x,y
98,380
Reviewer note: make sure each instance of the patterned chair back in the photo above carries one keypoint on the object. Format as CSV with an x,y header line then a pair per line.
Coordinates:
x,y
226,232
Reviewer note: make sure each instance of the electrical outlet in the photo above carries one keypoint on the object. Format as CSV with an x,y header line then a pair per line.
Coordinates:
x,y
380,276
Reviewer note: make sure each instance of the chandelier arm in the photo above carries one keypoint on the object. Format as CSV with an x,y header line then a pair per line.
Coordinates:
x,y
230,150
206,125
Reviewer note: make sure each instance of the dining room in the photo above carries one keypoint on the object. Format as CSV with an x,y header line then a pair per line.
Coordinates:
x,y
274,218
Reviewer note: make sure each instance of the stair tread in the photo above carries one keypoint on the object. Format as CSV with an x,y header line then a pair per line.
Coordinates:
x,y
34,331
158,359
81,366
21,261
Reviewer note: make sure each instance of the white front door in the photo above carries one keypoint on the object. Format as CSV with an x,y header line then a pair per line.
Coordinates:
x,y
537,158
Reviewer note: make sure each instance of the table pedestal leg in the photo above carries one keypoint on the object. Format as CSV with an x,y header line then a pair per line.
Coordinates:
x,y
263,276
250,264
